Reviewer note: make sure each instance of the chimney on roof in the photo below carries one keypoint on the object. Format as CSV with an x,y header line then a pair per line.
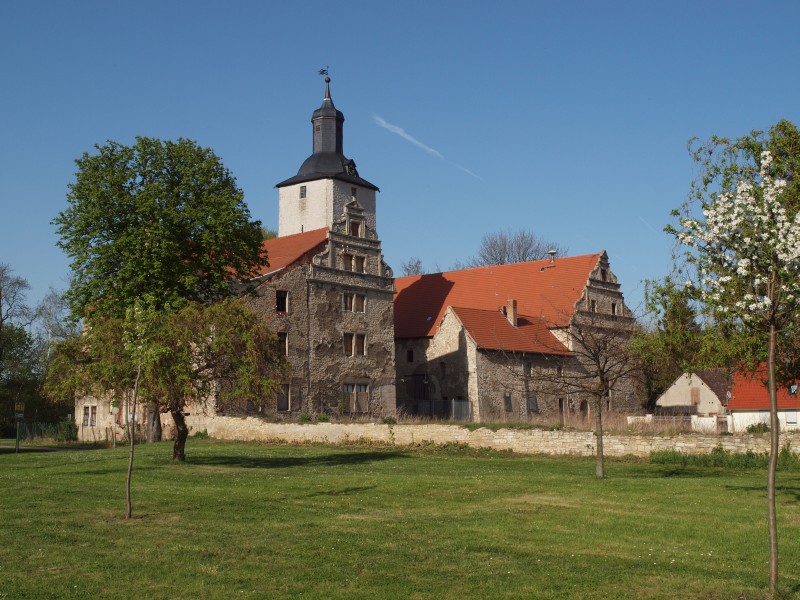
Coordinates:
x,y
552,252
511,311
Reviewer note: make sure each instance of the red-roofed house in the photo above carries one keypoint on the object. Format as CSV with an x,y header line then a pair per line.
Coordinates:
x,y
490,343
749,403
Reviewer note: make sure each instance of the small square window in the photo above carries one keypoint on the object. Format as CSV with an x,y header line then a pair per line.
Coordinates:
x,y
302,191
281,301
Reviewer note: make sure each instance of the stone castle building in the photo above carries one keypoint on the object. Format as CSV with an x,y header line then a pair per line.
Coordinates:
x,y
483,344
328,293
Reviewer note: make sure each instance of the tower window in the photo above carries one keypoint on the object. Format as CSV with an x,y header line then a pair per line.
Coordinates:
x,y
359,264
353,192
302,191
281,301
593,305
614,308
355,228
347,262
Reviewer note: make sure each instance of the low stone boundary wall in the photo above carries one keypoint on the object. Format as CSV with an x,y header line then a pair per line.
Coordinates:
x,y
525,441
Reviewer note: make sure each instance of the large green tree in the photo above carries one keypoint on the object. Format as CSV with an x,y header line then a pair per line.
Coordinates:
x,y
740,231
158,218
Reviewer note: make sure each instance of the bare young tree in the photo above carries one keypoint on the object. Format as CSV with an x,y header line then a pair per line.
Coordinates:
x,y
506,247
413,266
608,364
14,309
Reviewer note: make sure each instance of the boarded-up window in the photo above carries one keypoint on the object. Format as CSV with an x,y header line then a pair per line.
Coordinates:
x,y
284,397
347,344
695,392
360,345
507,402
533,403
347,302
359,302
356,397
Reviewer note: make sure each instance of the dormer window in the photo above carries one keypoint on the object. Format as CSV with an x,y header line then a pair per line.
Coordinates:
x,y
355,228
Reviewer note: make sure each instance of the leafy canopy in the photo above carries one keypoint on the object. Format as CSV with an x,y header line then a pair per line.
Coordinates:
x,y
158,218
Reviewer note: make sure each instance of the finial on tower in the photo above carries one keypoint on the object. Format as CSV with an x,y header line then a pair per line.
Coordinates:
x,y
327,82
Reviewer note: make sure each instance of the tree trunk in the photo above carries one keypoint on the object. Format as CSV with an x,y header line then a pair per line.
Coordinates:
x,y
598,432
132,441
774,433
181,433
153,422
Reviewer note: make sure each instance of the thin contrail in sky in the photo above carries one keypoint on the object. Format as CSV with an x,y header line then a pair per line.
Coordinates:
x,y
650,226
410,138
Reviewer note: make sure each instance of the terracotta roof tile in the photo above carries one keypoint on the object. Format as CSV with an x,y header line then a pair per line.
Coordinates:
x,y
542,290
491,330
749,392
283,251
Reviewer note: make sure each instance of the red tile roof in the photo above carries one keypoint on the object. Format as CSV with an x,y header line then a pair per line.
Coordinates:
x,y
749,392
542,290
283,251
491,330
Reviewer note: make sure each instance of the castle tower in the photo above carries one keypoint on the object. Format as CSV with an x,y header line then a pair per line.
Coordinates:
x,y
326,182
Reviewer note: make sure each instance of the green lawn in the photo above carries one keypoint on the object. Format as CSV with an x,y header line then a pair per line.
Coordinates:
x,y
261,521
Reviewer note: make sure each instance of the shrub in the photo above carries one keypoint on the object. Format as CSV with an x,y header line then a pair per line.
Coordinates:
x,y
201,435
67,430
323,418
758,428
305,418
389,421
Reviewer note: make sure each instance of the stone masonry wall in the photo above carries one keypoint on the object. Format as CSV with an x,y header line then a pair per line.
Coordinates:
x,y
524,441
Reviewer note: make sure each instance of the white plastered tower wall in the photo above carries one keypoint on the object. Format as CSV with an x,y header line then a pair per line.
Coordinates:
x,y
322,205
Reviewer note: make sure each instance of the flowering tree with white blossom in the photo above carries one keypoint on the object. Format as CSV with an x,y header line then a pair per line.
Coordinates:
x,y
742,250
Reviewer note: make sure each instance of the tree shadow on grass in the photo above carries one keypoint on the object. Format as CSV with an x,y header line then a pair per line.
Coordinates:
x,y
281,462
348,491
793,490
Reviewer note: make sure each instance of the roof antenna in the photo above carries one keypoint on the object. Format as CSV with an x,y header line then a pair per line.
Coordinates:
x,y
552,252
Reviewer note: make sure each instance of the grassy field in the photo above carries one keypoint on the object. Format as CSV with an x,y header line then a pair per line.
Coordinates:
x,y
260,521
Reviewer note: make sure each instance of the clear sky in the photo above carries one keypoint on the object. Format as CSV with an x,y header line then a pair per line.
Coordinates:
x,y
570,119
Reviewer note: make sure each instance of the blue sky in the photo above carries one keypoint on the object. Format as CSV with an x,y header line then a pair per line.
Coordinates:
x,y
570,119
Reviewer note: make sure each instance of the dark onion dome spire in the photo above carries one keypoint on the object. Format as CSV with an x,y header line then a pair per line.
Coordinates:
x,y
327,160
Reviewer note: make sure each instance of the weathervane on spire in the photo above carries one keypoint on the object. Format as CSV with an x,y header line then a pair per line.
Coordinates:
x,y
324,71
